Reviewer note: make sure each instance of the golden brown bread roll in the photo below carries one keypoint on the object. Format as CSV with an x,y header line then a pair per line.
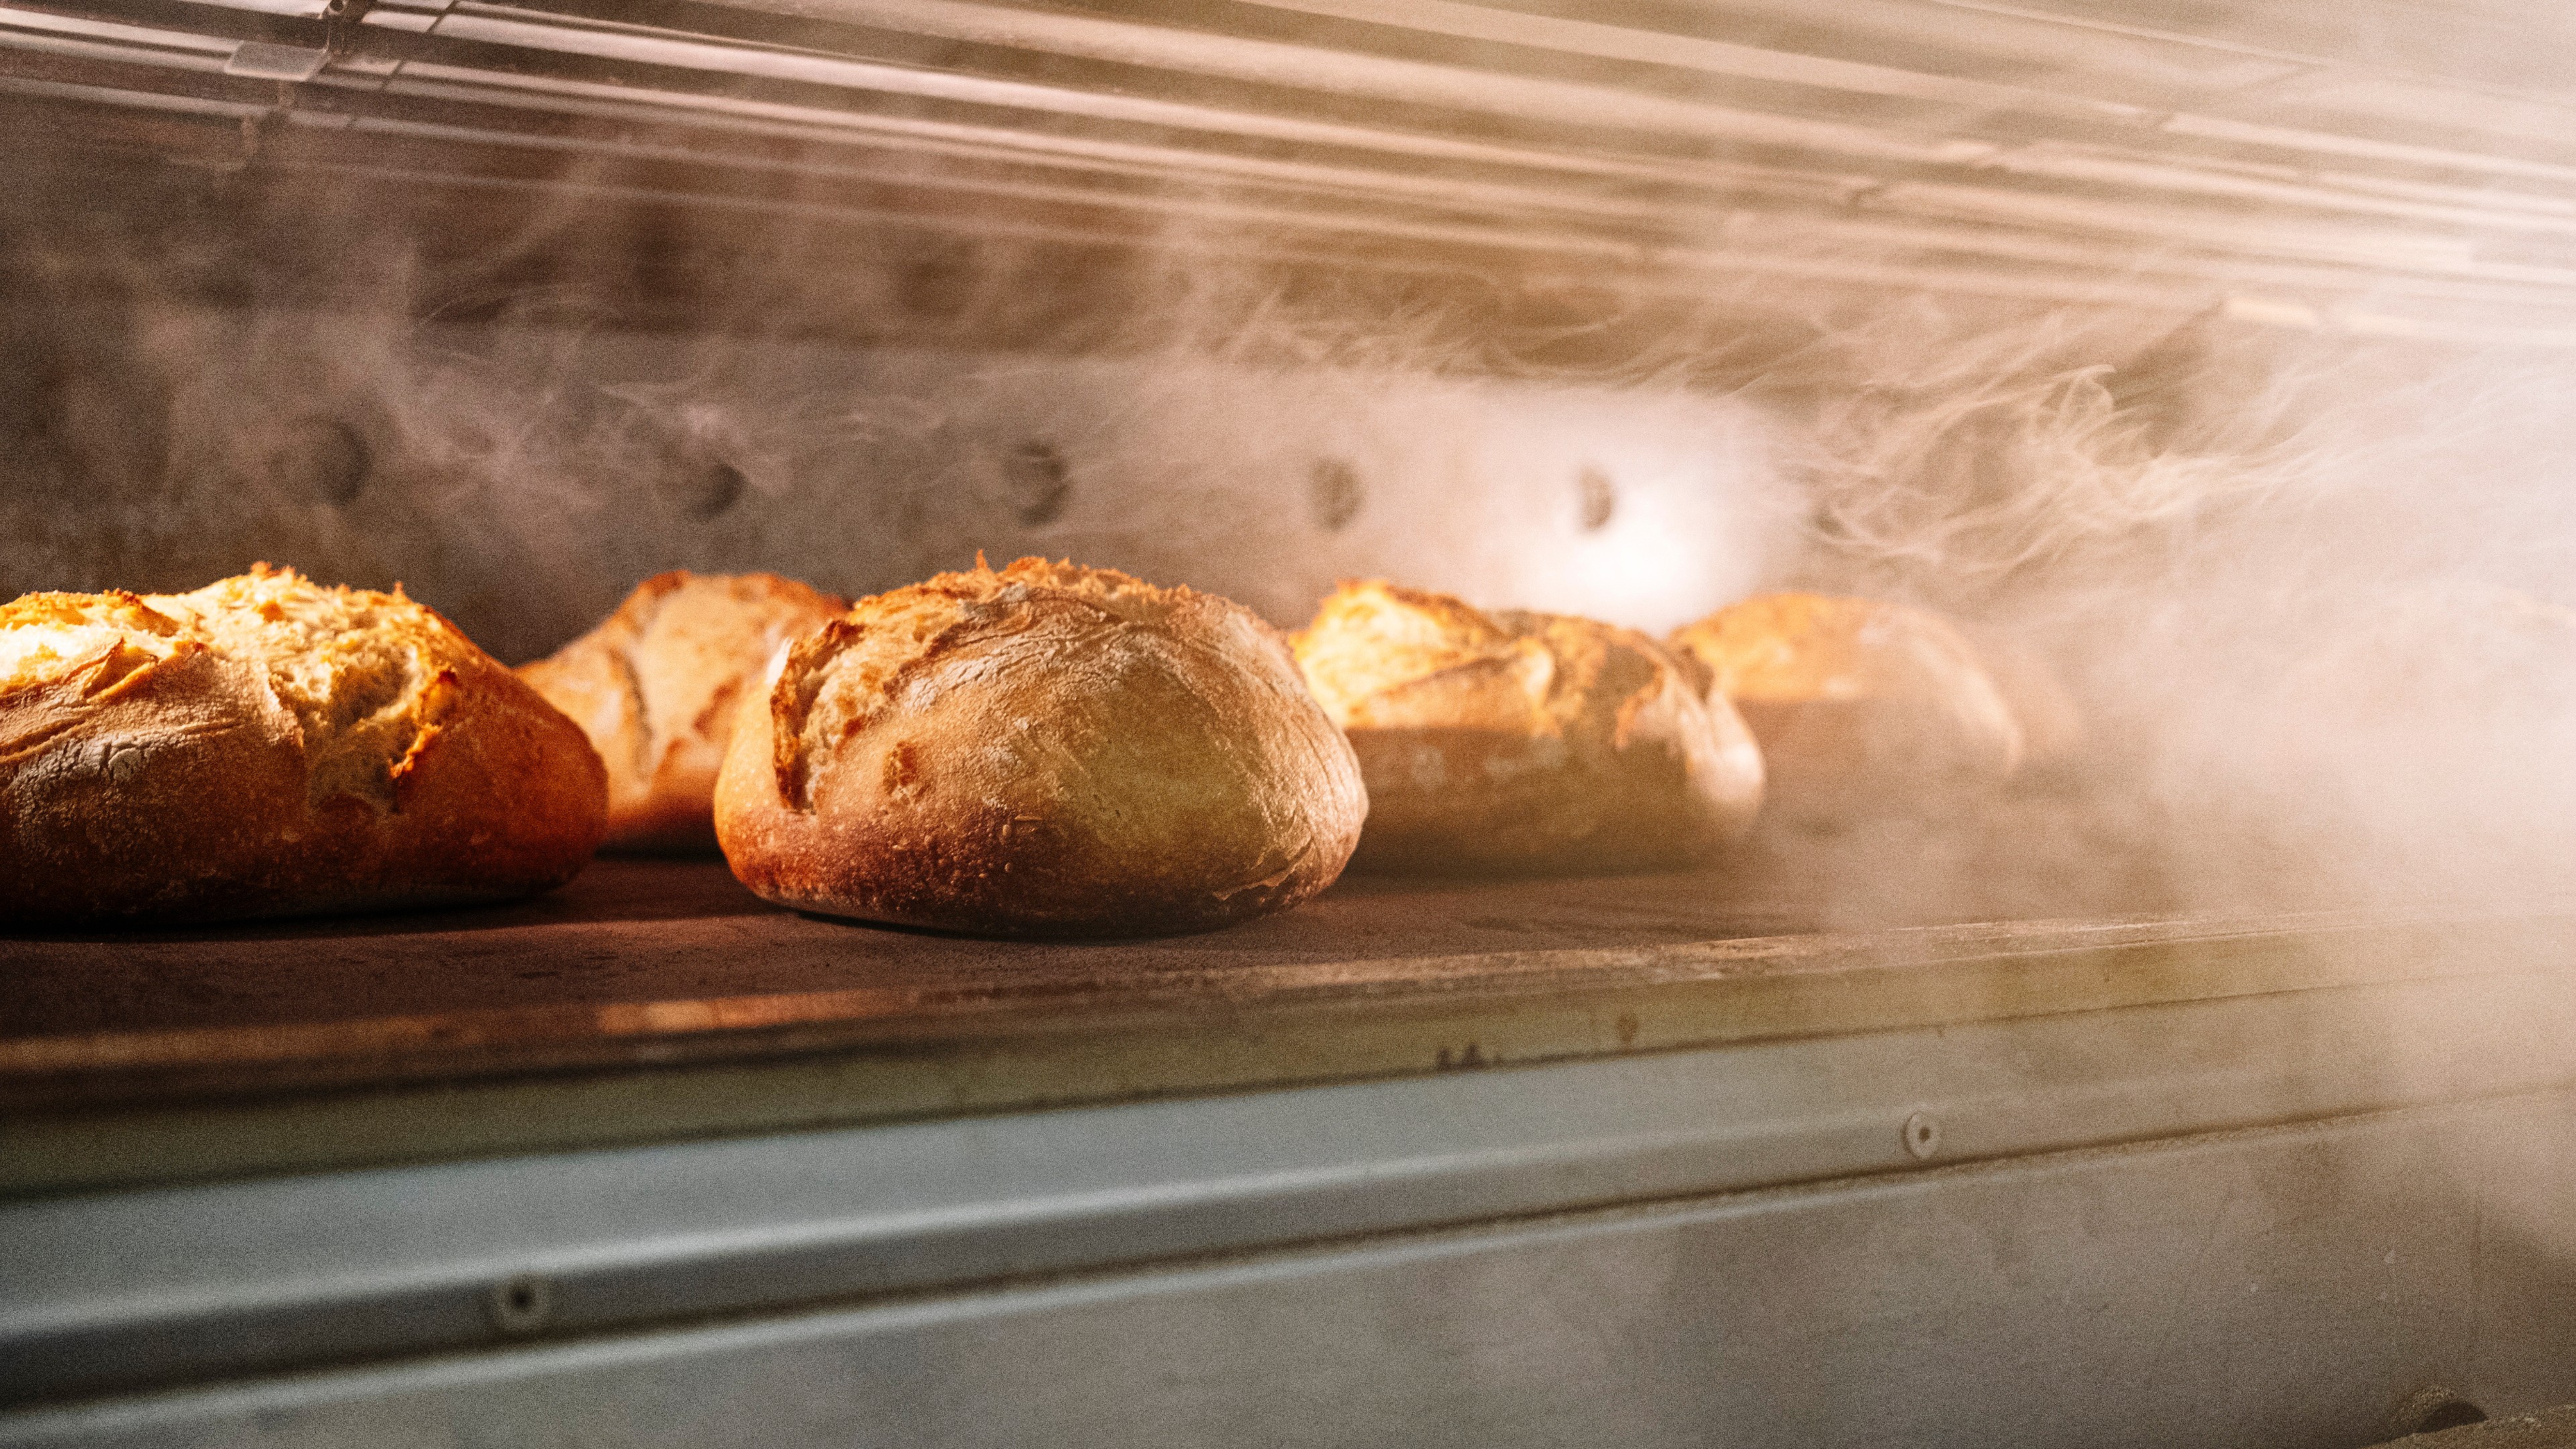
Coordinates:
x,y
1523,741
1861,707
266,746
656,687
1045,751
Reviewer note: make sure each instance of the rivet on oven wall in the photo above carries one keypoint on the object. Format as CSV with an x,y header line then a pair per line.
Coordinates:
x,y
1036,479
1599,499
940,284
711,487
1334,493
521,1304
323,455
1922,1136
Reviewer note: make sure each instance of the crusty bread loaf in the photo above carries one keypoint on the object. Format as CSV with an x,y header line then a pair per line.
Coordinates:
x,y
1862,707
1045,751
265,746
1523,741
656,687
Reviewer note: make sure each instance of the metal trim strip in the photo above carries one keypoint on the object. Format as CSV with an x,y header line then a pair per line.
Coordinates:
x,y
261,1276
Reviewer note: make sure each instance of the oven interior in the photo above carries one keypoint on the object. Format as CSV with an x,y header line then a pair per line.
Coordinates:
x,y
2208,364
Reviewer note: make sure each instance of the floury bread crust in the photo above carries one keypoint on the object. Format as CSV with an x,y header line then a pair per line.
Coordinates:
x,y
657,685
264,746
1520,741
1862,707
1048,750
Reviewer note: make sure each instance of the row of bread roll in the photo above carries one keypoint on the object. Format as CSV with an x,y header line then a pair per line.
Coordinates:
x,y
1541,742
1524,741
1043,750
1862,707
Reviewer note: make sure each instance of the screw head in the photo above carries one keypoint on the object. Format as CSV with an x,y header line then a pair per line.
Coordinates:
x,y
1334,494
1597,498
717,487
521,1304
1035,479
1922,1136
321,456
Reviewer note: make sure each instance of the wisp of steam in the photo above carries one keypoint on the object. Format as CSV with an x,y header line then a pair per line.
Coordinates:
x,y
2299,600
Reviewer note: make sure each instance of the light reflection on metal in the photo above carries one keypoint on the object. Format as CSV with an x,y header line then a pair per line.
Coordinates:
x,y
2106,164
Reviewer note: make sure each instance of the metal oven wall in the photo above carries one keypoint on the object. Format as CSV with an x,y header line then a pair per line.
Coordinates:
x,y
521,479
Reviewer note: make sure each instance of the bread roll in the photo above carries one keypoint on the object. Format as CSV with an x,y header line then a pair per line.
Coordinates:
x,y
264,746
1523,741
1045,751
656,687
1861,707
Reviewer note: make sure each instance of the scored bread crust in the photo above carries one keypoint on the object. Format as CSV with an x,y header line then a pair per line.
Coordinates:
x,y
1862,707
657,684
1524,741
265,746
1047,750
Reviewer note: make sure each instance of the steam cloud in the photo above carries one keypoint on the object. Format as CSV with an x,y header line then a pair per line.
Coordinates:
x,y
2305,593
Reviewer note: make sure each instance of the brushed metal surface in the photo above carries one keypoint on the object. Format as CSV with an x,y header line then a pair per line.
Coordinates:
x,y
2288,1287
297,1271
592,458
2377,172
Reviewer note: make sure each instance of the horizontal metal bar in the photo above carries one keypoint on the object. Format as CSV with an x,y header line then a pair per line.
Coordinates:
x,y
1326,72
1207,51
2142,220
126,38
139,100
232,1278
2292,1286
2358,148
2164,208
494,25
1589,210
1665,48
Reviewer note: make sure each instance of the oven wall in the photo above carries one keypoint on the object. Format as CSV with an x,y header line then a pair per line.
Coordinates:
x,y
522,478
